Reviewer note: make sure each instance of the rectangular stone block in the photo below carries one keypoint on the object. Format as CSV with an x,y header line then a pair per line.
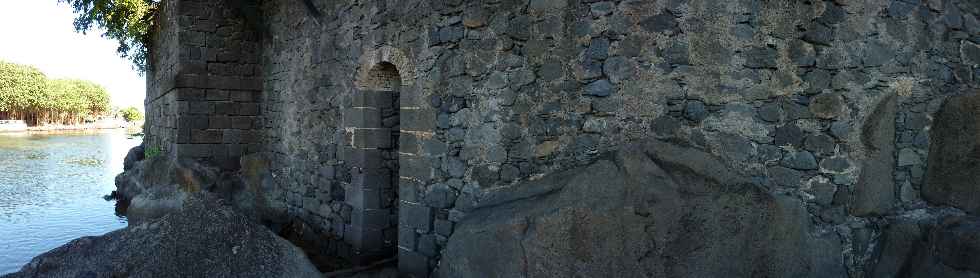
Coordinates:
x,y
231,136
219,122
408,189
234,83
208,136
192,38
242,122
235,151
371,178
408,143
370,218
375,99
192,122
363,239
241,96
183,135
220,95
192,150
194,64
360,198
406,239
189,94
251,137
362,117
248,109
200,107
224,108
415,216
427,245
363,158
191,81
371,138
415,167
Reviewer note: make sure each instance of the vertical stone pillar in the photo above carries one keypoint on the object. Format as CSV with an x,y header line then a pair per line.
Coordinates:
x,y
418,159
371,128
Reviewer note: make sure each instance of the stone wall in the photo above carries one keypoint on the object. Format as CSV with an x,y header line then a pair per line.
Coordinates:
x,y
829,102
203,84
161,111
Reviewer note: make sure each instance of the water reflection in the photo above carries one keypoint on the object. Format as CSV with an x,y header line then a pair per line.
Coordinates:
x,y
51,189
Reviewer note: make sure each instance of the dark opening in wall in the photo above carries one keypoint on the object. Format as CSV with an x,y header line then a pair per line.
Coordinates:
x,y
384,77
372,124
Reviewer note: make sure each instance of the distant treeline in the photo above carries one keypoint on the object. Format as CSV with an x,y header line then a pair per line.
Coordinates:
x,y
27,94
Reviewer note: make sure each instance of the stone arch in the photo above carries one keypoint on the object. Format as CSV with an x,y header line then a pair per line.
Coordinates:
x,y
384,55
372,126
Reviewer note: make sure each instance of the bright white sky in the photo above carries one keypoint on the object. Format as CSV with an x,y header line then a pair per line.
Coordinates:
x,y
40,33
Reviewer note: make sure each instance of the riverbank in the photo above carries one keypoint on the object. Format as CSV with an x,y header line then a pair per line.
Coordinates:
x,y
12,127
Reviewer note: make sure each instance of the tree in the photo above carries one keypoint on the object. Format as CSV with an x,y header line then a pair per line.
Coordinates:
x,y
131,114
22,88
73,100
27,94
127,21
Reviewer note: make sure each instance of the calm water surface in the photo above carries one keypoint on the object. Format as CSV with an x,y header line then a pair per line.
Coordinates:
x,y
51,189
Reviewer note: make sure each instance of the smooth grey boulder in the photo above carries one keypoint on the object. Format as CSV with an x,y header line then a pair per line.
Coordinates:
x,y
918,248
155,202
203,239
953,170
874,193
652,210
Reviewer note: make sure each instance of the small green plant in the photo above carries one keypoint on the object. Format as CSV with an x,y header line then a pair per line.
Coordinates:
x,y
151,152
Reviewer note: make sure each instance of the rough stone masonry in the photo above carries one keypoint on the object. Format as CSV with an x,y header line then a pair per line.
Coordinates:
x,y
387,125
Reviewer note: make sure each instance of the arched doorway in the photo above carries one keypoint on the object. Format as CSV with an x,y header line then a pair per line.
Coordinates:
x,y
372,127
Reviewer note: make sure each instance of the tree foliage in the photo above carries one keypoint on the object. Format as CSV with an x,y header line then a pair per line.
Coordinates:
x,y
27,94
131,114
127,21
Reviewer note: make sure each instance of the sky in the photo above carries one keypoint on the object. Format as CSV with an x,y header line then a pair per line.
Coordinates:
x,y
40,33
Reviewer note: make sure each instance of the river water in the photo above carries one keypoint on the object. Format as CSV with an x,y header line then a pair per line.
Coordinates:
x,y
52,188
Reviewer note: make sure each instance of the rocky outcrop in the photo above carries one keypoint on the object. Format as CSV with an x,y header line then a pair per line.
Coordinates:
x,y
202,239
953,173
653,210
157,186
136,154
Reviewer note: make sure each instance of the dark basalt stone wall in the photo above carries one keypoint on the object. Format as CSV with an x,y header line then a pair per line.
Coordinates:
x,y
828,102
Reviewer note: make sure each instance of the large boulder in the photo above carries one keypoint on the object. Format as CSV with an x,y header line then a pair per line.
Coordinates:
x,y
136,154
654,210
953,170
159,185
927,248
202,239
874,193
